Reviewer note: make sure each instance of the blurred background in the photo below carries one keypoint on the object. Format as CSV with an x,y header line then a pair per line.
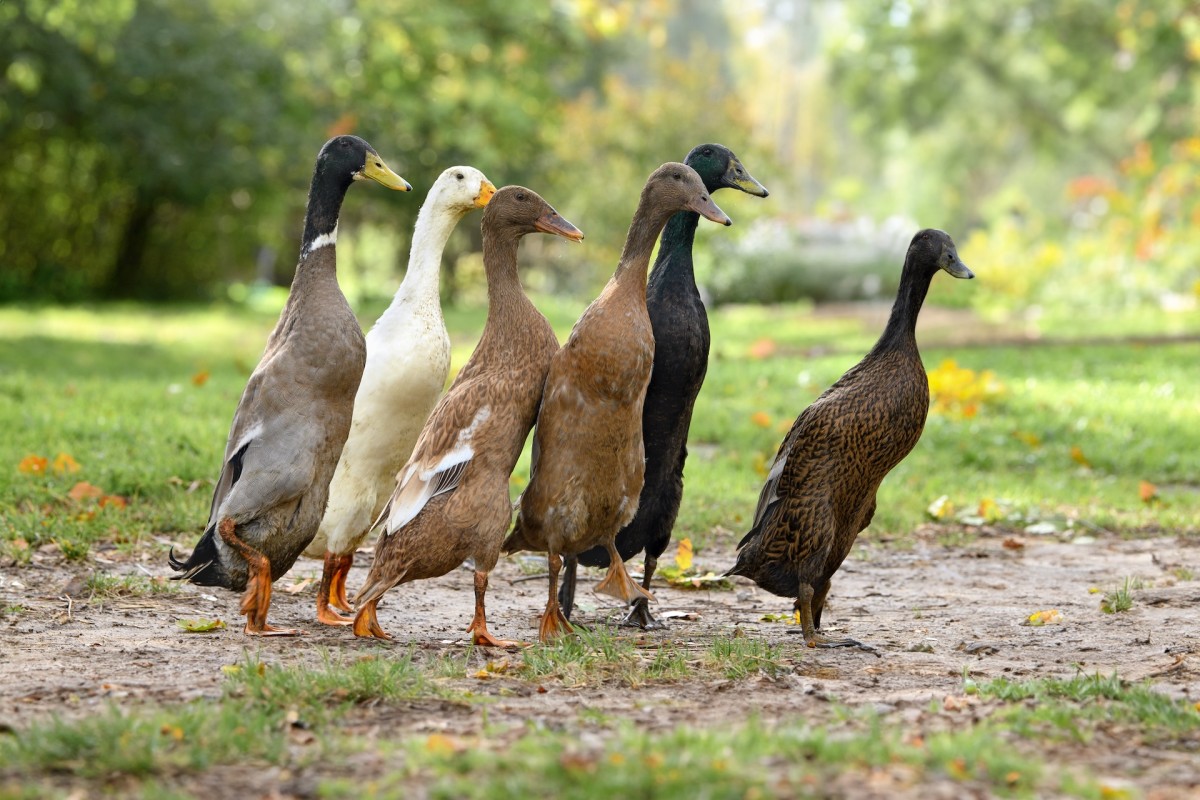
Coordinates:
x,y
161,149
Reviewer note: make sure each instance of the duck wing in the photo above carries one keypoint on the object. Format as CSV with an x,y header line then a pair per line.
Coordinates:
x,y
271,452
442,454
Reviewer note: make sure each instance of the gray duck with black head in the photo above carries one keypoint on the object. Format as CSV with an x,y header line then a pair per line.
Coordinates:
x,y
681,344
820,491
294,415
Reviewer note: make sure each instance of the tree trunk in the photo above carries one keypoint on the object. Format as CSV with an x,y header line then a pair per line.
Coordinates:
x,y
124,277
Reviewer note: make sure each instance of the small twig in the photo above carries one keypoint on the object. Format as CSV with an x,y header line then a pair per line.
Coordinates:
x,y
537,577
70,606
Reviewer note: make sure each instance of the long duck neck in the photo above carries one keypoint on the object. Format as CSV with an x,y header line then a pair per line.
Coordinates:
x,y
506,298
901,330
325,196
647,224
422,279
675,252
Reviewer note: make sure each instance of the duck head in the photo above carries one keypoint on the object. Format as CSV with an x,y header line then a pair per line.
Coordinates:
x,y
518,210
349,158
719,168
461,189
934,250
677,187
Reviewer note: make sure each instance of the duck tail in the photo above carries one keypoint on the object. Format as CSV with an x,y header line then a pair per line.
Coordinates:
x,y
516,539
203,567
376,586
746,550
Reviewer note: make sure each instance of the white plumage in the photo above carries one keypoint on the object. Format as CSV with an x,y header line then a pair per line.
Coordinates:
x,y
408,359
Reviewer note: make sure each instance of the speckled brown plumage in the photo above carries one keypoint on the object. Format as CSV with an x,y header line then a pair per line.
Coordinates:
x,y
820,492
451,501
589,462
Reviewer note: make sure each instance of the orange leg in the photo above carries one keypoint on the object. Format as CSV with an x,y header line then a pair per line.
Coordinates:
x,y
478,628
554,623
337,592
332,591
257,599
366,623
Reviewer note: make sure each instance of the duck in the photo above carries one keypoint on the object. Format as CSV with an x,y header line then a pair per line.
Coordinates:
x,y
820,491
588,461
451,499
681,343
408,359
294,415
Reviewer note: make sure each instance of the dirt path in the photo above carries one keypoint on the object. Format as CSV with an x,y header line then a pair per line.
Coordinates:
x,y
932,610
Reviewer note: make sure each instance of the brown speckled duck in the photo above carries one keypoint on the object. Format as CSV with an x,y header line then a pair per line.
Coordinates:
x,y
588,459
451,500
820,491
294,415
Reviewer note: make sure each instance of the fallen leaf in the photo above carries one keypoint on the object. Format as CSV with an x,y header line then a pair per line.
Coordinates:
x,y
761,418
1079,458
442,744
1039,618
33,465
990,510
84,490
200,378
683,556
1147,491
64,463
201,625
114,500
299,586
763,348
1013,544
941,508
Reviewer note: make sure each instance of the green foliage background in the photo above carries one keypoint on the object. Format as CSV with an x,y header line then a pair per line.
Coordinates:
x,y
160,150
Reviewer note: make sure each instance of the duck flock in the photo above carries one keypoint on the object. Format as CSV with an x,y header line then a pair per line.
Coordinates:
x,y
337,434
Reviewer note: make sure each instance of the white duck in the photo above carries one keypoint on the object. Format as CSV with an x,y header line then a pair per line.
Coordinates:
x,y
408,359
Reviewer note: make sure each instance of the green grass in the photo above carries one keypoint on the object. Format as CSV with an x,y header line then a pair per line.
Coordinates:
x,y
119,390
114,389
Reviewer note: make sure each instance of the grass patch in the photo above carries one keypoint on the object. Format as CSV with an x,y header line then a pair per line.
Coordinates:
x,y
1076,706
740,657
141,742
102,586
1119,599
320,694
586,657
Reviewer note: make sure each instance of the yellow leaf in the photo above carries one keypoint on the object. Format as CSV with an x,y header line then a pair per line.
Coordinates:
x,y
989,510
200,378
443,744
200,625
64,463
941,508
761,418
683,556
1147,491
1078,457
1039,618
34,465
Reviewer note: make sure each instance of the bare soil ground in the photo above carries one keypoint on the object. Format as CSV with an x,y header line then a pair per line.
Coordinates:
x,y
931,609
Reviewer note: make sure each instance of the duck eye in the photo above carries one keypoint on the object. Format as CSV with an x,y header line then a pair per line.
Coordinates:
x,y
708,151
676,176
458,175
521,196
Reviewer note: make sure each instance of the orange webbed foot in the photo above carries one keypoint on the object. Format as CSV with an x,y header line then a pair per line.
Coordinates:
x,y
367,624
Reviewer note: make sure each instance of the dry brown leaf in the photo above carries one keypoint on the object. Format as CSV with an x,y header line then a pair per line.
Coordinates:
x,y
84,490
1147,491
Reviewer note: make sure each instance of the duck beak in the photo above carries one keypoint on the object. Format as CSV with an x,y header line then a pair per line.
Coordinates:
x,y
485,194
954,265
555,225
705,207
379,172
738,177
